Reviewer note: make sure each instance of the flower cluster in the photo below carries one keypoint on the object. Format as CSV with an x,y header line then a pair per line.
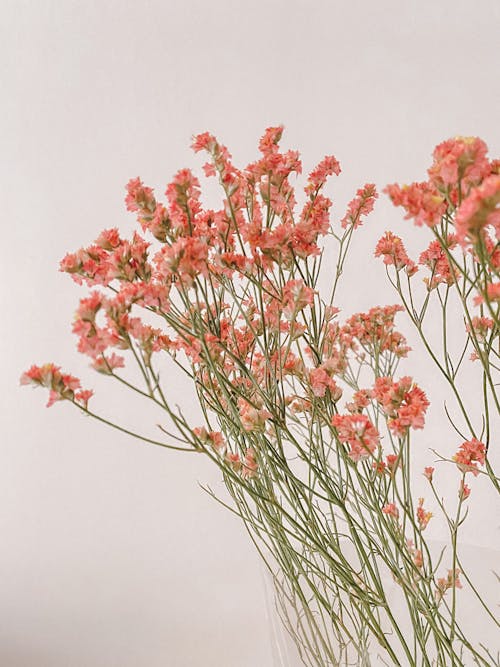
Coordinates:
x,y
469,453
232,297
403,402
392,249
61,386
358,432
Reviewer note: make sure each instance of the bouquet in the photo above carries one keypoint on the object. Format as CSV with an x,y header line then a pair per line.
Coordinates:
x,y
303,410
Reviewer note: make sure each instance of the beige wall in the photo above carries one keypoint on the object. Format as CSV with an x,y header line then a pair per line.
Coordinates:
x,y
111,554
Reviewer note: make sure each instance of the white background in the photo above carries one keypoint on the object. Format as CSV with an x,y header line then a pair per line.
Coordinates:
x,y
111,553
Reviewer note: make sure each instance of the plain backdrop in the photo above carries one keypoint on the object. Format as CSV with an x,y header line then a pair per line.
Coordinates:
x,y
112,554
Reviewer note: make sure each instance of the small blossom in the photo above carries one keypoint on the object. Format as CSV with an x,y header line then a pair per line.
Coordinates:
x,y
403,402
481,326
452,580
422,202
317,178
459,159
296,296
61,386
436,260
469,453
359,432
375,331
361,205
249,465
234,461
320,380
429,472
423,517
463,491
252,418
391,248
391,510
393,461
479,209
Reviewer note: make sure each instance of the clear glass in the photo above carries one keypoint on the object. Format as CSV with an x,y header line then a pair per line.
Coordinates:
x,y
480,563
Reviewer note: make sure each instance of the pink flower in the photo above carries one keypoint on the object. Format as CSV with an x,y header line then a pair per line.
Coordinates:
x,y
469,453
108,364
391,248
391,510
357,431
463,491
185,259
393,461
360,400
481,326
204,141
249,466
234,461
479,209
61,386
252,418
296,296
361,205
450,581
317,178
320,380
268,145
428,473
403,402
421,201
459,159
214,439
436,260
139,197
423,517
375,331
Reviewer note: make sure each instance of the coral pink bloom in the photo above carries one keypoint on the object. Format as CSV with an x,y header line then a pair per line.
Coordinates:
x,y
204,142
268,144
361,205
252,418
481,326
423,517
391,510
421,201
479,209
317,178
357,431
138,196
469,453
403,402
213,438
109,239
463,491
493,291
392,249
234,461
249,466
186,258
107,365
296,296
61,386
360,400
428,472
374,330
320,381
392,462
459,159
436,260
450,581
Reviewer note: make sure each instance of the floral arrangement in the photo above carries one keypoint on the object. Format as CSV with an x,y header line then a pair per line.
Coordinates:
x,y
304,412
